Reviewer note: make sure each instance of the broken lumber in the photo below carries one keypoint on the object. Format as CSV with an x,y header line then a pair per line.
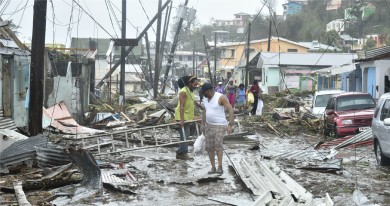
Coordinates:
x,y
20,196
124,115
273,129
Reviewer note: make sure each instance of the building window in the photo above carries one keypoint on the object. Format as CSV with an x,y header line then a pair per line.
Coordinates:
x,y
292,50
180,58
189,58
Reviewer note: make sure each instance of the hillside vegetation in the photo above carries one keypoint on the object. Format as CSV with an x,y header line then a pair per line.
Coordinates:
x,y
309,25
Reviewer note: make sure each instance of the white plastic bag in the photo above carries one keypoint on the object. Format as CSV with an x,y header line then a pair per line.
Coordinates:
x,y
199,144
259,109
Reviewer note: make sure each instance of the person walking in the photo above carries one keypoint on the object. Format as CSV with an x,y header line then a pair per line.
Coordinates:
x,y
175,85
231,93
255,89
185,111
241,97
220,88
216,124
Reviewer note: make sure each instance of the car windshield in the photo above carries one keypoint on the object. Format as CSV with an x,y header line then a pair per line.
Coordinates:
x,y
322,100
354,102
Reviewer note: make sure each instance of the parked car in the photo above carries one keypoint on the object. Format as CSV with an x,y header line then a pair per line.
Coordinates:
x,y
381,130
320,99
348,113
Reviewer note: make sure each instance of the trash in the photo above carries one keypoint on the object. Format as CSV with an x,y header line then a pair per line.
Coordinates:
x,y
20,152
361,200
259,109
199,144
19,193
59,118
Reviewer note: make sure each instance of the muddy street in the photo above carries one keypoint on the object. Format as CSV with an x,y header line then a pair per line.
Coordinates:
x,y
161,179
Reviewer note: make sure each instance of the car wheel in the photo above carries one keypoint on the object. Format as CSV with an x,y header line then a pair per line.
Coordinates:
x,y
381,159
336,134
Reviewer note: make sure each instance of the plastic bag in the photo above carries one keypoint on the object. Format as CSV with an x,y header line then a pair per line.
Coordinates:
x,y
259,109
199,144
251,98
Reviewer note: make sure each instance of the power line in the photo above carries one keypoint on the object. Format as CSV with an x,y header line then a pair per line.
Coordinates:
x,y
105,1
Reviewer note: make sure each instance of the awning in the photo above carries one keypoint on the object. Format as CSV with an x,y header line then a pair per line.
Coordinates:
x,y
336,70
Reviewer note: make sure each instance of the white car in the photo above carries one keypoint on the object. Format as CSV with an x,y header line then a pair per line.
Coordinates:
x,y
320,99
381,130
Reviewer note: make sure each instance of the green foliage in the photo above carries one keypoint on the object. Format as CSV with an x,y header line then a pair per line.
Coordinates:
x,y
309,25
370,44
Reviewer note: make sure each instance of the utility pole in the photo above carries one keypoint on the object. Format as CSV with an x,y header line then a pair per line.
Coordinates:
x,y
269,35
148,62
123,58
207,60
37,68
247,55
140,36
215,58
173,48
193,61
157,58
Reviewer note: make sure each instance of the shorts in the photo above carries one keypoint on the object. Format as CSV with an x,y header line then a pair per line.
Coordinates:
x,y
214,137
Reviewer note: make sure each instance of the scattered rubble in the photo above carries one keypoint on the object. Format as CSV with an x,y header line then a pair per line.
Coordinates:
x,y
132,154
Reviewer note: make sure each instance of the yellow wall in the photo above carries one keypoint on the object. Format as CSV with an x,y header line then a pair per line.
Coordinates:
x,y
258,46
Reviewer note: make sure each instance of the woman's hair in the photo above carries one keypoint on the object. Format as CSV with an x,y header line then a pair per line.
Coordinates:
x,y
255,81
241,85
186,80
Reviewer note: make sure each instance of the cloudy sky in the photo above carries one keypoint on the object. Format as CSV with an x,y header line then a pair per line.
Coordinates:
x,y
73,18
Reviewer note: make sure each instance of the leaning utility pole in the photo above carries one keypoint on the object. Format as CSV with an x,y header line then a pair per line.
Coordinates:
x,y
247,55
37,68
173,48
157,57
269,35
207,60
123,57
140,36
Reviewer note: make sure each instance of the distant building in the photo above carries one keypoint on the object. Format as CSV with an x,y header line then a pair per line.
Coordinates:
x,y
367,11
333,5
183,63
239,21
315,46
338,25
232,54
102,45
291,8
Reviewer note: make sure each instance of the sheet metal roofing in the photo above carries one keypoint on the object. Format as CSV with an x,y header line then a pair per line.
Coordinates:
x,y
306,59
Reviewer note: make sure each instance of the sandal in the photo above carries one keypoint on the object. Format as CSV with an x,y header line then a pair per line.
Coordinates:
x,y
212,171
219,171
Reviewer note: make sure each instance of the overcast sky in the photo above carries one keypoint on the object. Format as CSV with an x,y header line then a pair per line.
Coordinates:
x,y
76,22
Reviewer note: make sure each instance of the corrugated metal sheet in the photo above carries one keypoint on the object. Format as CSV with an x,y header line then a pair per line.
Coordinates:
x,y
20,152
60,118
262,180
377,52
6,122
8,137
51,155
86,162
303,155
363,136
